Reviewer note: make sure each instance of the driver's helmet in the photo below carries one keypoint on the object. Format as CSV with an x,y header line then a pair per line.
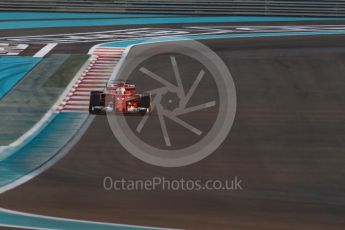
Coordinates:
x,y
120,90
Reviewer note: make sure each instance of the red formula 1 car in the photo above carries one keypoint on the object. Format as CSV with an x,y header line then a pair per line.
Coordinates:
x,y
119,97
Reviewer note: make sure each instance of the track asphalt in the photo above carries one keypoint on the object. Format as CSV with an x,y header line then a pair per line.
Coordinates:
x,y
286,145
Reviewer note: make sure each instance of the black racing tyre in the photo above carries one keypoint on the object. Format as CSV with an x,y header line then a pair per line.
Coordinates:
x,y
95,100
145,101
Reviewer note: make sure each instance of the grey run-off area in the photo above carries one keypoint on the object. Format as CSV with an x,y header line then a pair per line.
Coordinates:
x,y
35,94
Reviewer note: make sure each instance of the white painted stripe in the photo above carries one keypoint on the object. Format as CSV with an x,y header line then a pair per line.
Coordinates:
x,y
107,51
72,110
104,55
104,66
86,104
76,107
118,48
90,89
76,220
100,65
21,227
90,85
79,97
100,53
93,81
77,102
97,74
80,93
76,110
94,77
106,74
103,81
12,53
121,48
85,75
108,48
45,50
99,71
22,46
99,78
107,61
109,56
14,49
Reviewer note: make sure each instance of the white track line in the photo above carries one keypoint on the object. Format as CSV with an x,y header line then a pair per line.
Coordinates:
x,y
61,220
45,50
67,106
58,156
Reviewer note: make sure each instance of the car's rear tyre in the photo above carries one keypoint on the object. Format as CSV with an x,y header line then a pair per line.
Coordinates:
x,y
95,100
145,102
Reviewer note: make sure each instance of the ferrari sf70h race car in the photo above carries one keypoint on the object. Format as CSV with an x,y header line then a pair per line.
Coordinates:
x,y
119,97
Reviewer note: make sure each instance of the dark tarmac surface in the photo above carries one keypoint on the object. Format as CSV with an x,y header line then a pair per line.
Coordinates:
x,y
46,31
82,48
287,145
